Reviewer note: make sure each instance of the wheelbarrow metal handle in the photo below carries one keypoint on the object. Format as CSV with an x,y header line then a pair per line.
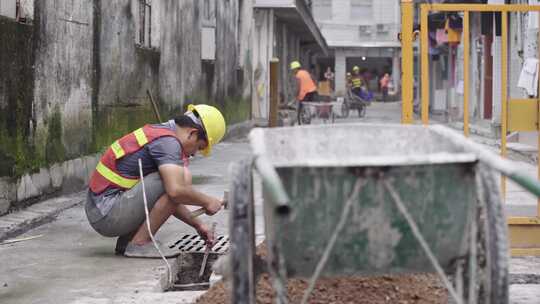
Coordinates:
x,y
273,185
527,182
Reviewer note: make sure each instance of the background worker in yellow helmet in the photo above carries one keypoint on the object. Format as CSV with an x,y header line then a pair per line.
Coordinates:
x,y
356,81
306,88
115,205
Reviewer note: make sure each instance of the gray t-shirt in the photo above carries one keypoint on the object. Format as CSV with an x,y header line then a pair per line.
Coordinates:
x,y
164,150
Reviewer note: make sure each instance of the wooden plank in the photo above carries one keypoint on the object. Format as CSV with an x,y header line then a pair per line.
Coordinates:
x,y
274,93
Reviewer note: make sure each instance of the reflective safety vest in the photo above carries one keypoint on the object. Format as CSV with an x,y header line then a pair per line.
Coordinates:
x,y
106,174
356,82
306,84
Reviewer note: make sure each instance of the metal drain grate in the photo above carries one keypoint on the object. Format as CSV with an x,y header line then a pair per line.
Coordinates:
x,y
194,243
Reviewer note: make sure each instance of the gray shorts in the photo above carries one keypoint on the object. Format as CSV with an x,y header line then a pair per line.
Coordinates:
x,y
127,212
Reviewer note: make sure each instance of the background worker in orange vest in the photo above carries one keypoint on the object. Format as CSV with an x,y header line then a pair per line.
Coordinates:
x,y
115,205
384,82
306,90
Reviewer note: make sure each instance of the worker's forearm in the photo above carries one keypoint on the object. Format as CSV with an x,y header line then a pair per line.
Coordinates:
x,y
187,195
184,214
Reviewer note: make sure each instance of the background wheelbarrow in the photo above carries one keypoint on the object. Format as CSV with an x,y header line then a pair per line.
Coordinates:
x,y
367,199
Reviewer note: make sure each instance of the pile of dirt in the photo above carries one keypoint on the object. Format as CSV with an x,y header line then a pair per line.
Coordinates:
x,y
402,289
395,289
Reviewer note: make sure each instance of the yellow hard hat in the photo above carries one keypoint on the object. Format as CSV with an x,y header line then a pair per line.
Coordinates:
x,y
356,68
213,123
295,65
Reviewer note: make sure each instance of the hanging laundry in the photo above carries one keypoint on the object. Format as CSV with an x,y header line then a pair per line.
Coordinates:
x,y
528,79
441,36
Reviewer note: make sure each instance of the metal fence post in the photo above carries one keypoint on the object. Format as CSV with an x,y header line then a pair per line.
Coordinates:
x,y
466,53
424,57
407,60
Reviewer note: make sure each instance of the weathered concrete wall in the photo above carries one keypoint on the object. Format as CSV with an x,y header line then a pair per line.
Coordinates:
x,y
126,70
184,78
76,80
246,33
180,62
63,78
16,91
225,71
263,52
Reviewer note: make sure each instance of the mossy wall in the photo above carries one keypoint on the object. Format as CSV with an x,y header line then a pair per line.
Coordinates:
x,y
16,97
70,88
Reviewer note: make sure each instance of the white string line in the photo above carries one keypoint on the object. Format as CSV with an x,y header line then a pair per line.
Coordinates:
x,y
169,270
418,235
343,218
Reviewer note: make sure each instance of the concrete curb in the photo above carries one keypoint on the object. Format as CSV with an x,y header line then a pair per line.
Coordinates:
x,y
17,223
490,139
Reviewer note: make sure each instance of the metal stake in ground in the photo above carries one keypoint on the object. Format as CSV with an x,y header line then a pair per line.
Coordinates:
x,y
207,252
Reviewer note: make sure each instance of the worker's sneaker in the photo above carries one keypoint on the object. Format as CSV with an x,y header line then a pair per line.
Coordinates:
x,y
149,251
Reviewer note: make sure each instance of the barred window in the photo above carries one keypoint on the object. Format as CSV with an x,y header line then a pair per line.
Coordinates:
x,y
144,35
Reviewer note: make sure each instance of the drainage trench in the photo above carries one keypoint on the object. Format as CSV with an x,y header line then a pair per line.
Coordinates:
x,y
189,262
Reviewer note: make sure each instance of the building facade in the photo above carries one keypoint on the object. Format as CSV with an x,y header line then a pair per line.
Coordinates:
x,y
361,33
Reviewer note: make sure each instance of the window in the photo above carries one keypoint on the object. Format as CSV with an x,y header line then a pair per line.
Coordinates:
x,y
9,8
208,31
361,10
144,36
208,47
322,10
20,10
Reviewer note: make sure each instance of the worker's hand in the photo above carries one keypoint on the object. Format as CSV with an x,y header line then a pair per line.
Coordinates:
x,y
206,234
213,206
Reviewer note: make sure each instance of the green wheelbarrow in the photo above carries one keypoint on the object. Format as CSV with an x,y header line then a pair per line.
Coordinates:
x,y
368,199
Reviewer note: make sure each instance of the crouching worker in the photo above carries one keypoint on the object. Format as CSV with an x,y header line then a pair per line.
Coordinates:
x,y
115,205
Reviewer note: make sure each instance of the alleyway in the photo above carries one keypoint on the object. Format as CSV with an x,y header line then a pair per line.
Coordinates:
x,y
70,263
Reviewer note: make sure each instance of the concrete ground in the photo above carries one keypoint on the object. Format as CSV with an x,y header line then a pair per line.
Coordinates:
x,y
70,263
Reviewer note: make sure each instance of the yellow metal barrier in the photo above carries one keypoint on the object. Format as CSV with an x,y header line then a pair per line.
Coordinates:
x,y
424,57
523,115
407,60
516,114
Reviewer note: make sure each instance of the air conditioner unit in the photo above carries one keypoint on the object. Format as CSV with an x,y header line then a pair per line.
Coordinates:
x,y
382,28
364,29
